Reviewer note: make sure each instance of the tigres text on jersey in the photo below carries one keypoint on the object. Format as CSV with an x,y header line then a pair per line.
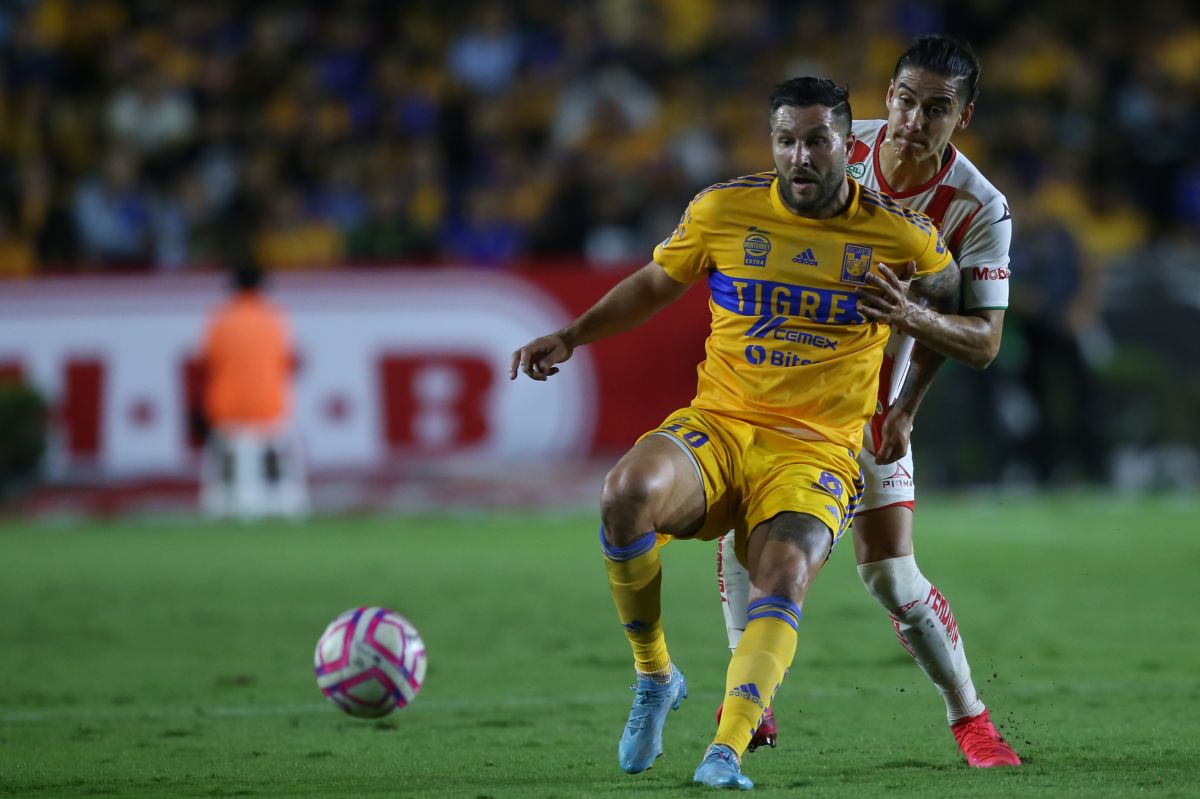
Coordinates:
x,y
787,348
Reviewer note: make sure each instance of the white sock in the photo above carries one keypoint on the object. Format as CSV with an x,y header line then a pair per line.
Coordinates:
x,y
733,580
925,626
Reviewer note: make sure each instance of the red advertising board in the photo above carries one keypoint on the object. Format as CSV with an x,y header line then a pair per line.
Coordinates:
x,y
395,365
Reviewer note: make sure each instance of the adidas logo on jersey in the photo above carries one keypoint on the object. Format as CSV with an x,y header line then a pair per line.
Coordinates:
x,y
807,258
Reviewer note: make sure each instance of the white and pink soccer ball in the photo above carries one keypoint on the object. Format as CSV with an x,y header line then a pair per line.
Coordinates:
x,y
370,661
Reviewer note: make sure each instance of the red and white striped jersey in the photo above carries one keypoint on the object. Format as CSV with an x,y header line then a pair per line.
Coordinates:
x,y
975,223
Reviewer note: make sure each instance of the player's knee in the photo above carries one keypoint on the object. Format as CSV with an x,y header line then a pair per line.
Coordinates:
x,y
788,569
625,502
894,582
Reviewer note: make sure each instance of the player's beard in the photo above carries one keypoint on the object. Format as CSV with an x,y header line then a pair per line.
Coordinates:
x,y
813,202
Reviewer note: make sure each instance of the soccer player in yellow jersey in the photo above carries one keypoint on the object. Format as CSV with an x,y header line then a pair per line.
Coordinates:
x,y
909,156
767,447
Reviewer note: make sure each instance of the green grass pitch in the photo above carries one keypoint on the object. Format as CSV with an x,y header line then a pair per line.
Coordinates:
x,y
174,658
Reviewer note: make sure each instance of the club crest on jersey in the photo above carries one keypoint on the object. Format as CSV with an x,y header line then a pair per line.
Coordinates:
x,y
856,262
756,246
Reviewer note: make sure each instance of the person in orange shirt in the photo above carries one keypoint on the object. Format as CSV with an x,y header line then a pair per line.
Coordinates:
x,y
247,358
252,465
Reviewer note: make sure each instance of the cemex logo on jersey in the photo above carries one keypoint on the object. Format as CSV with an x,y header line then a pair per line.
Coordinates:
x,y
856,164
772,325
984,273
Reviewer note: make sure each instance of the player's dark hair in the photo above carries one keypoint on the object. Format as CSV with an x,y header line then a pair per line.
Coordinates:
x,y
948,56
247,275
810,91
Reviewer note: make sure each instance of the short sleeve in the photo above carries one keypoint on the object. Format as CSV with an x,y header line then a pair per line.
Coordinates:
x,y
983,257
684,255
935,255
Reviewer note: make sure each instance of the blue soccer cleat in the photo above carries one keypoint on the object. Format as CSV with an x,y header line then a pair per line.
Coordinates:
x,y
641,742
720,769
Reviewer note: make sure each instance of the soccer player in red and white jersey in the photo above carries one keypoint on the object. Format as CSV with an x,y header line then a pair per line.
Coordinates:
x,y
908,157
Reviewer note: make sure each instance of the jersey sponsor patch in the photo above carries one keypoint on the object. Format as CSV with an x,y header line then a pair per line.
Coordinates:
x,y
856,164
756,246
990,273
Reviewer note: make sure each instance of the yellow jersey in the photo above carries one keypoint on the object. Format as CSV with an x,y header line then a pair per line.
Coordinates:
x,y
788,349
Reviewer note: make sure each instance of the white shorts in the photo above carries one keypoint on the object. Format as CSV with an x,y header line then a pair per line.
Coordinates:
x,y
886,486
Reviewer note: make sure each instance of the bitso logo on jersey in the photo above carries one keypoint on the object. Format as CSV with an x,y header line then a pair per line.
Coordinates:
x,y
756,246
856,262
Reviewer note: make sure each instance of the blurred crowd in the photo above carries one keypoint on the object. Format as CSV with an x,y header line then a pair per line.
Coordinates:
x,y
155,134
150,132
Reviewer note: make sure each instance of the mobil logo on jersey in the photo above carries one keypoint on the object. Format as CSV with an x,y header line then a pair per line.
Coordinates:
x,y
750,297
990,273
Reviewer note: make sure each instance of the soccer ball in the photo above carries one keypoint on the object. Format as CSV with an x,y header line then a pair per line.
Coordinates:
x,y
370,661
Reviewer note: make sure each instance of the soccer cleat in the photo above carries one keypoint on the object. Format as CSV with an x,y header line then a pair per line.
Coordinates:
x,y
766,734
981,744
720,769
641,742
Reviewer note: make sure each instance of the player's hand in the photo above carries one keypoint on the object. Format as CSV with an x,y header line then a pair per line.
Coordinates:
x,y
885,297
895,436
538,358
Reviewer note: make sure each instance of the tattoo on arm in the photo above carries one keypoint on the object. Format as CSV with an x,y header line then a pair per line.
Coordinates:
x,y
941,289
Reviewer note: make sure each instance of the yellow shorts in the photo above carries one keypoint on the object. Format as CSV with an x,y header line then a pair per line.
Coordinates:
x,y
752,474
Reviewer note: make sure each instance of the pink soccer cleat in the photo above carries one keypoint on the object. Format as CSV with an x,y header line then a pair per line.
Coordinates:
x,y
981,744
767,733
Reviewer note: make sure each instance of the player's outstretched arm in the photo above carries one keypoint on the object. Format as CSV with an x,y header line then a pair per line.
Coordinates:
x,y
896,434
627,305
972,338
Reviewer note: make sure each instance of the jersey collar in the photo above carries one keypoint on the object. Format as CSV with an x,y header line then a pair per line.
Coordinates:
x,y
948,161
785,212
